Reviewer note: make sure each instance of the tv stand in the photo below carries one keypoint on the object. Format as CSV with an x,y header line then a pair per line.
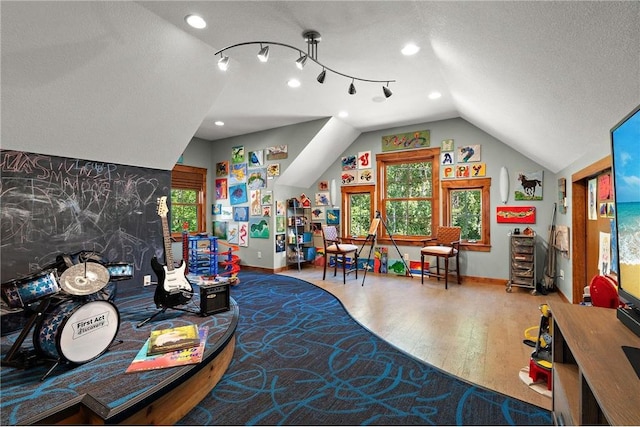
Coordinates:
x,y
593,381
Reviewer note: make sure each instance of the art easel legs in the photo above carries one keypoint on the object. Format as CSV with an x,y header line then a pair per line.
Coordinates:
x,y
372,238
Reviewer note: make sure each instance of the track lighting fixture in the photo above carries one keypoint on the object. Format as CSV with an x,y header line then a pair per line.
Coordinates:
x,y
352,88
387,92
263,55
301,62
312,38
223,62
322,76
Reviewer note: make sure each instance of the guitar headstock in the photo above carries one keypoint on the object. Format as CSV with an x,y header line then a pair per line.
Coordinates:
x,y
162,206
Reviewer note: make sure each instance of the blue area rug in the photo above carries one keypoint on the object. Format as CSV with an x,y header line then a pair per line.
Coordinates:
x,y
302,360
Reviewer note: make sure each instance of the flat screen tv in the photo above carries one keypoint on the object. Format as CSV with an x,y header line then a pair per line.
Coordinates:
x,y
625,151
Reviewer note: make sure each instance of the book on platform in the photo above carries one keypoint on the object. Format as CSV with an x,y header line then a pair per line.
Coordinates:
x,y
186,356
172,339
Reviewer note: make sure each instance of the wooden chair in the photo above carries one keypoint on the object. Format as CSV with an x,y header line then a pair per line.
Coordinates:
x,y
334,246
445,245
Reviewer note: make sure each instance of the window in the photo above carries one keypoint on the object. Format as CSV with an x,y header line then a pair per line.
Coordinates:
x,y
466,205
188,197
408,191
357,209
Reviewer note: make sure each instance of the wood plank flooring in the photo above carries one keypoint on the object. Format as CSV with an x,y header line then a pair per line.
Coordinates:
x,y
473,331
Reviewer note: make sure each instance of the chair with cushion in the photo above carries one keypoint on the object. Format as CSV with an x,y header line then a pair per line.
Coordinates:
x,y
334,246
446,244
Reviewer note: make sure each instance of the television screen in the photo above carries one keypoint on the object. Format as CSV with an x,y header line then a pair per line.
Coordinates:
x,y
625,150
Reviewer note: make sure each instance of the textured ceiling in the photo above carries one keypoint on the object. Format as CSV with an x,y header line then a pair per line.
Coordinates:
x,y
547,78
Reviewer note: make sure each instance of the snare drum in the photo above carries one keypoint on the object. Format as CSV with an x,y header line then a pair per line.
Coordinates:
x,y
76,331
119,271
19,293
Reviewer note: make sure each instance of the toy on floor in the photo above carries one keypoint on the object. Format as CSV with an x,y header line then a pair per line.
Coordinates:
x,y
540,363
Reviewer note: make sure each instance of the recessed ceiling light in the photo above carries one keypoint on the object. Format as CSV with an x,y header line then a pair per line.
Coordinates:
x,y
196,21
410,49
343,114
435,95
219,123
294,83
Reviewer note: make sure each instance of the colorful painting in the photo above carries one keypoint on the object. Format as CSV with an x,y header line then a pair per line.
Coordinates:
x,y
380,258
238,194
257,178
349,163
273,169
349,177
364,160
276,153
280,207
449,172
478,169
446,158
397,267
238,173
333,216
241,213
323,186
232,232
280,221
365,176
305,202
266,211
220,229
221,188
462,171
259,228
222,169
280,243
447,145
256,158
516,214
409,140
602,209
255,207
243,234
226,212
318,213
529,183
468,153
316,228
605,189
322,199
238,154
266,197
216,209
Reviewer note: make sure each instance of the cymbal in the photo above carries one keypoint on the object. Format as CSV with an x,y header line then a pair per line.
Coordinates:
x,y
84,279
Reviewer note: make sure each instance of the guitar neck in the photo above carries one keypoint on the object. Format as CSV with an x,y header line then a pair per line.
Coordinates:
x,y
168,254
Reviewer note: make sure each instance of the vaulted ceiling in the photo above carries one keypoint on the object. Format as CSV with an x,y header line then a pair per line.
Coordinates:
x,y
131,82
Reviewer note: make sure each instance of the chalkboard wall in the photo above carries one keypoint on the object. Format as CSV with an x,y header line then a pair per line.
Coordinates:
x,y
52,205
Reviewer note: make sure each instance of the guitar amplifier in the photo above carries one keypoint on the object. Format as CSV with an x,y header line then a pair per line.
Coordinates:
x,y
214,298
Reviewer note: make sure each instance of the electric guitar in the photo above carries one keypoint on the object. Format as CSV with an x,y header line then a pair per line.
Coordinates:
x,y
173,287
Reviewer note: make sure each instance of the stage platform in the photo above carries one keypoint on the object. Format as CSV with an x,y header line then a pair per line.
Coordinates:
x,y
100,392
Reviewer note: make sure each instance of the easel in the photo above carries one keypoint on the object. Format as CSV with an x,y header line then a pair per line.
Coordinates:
x,y
371,236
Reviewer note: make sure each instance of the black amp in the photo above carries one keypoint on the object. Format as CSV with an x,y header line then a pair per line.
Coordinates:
x,y
214,298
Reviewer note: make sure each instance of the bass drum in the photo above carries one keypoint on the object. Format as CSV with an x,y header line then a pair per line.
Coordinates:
x,y
76,331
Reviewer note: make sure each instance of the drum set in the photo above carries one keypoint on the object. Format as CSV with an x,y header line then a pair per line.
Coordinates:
x,y
70,308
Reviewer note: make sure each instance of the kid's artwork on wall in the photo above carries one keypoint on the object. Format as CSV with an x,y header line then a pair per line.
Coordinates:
x,y
333,216
478,169
364,160
241,213
318,213
528,186
280,207
605,191
232,232
238,173
221,188
256,158
220,229
365,176
216,209
277,152
243,234
322,199
323,186
449,172
409,140
447,145
238,194
280,221
516,214
592,207
255,208
273,169
266,197
238,154
469,153
462,171
222,169
280,243
446,158
259,228
266,211
562,195
349,177
349,163
257,178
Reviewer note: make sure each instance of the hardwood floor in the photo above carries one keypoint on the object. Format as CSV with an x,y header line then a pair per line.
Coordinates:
x,y
473,330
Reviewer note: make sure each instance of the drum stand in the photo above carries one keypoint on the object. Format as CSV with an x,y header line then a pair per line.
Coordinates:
x,y
26,358
162,310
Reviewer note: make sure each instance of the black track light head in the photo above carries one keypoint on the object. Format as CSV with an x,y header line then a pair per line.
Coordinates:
x,y
352,89
387,91
322,76
301,61
263,55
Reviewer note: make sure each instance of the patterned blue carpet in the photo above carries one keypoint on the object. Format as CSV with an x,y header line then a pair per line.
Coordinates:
x,y
302,360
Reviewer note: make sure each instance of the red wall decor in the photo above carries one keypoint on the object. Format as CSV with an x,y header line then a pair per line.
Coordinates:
x,y
516,214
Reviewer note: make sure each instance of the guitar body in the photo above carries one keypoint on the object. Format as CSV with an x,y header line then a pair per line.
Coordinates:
x,y
165,295
173,287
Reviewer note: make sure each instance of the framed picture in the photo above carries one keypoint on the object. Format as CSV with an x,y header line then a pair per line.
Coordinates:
x,y
222,169
238,194
529,183
469,153
516,214
259,228
238,154
241,213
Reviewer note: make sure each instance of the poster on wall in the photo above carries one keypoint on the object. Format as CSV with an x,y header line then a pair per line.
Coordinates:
x,y
232,233
277,152
238,173
365,176
349,163
604,254
409,140
238,154
364,159
259,228
446,145
243,234
256,158
238,194
527,188
469,153
349,177
592,207
221,188
478,169
222,169
605,190
516,214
